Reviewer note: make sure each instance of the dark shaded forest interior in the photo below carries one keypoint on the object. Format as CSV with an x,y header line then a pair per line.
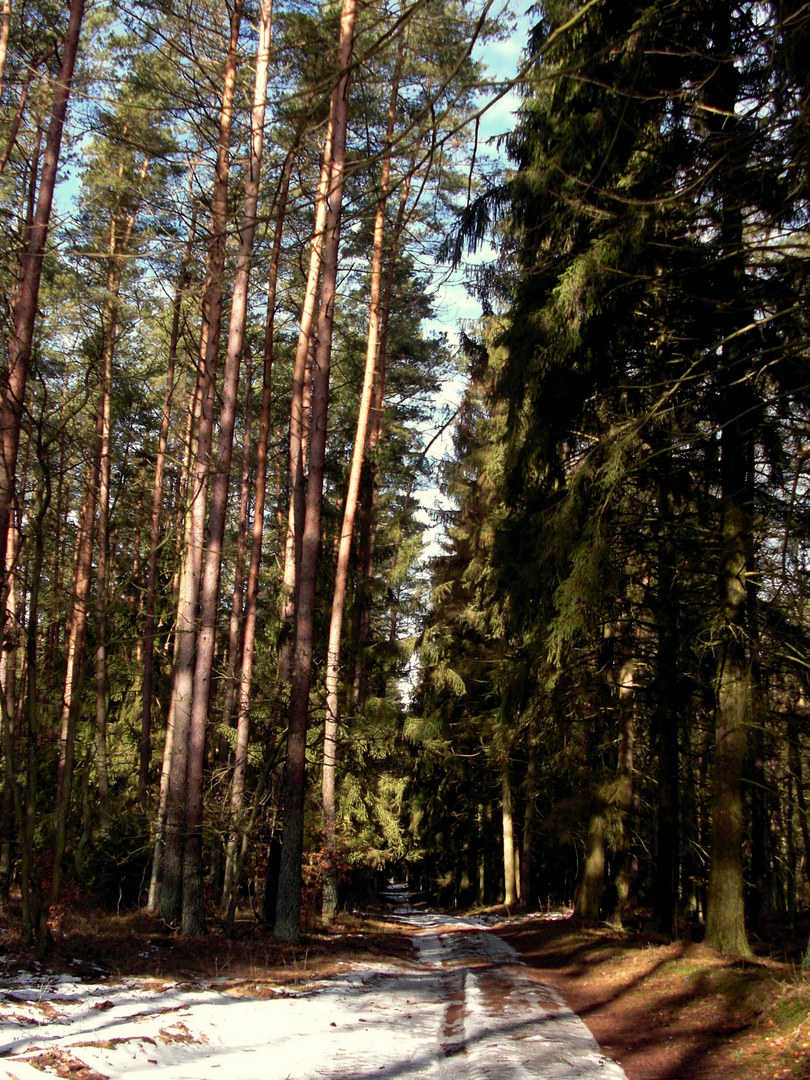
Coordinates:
x,y
301,596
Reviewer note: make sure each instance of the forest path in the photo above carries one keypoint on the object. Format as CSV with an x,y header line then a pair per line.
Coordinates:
x,y
498,1023
464,1009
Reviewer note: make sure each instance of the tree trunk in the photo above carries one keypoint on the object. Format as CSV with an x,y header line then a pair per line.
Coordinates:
x,y
184,806
287,926
5,30
529,799
368,524
332,722
74,672
23,303
298,416
623,799
235,622
145,744
725,923
252,590
118,246
592,886
8,689
665,725
507,825
193,908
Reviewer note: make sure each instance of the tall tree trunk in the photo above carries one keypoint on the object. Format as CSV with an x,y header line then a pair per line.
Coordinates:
x,y
252,589
193,908
508,832
184,804
368,522
8,689
529,798
145,744
623,798
5,30
118,246
299,415
235,623
30,888
289,890
23,303
103,544
74,672
725,923
592,886
665,725
330,878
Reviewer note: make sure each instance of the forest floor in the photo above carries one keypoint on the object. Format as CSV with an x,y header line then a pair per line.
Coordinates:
x,y
674,1010
664,1011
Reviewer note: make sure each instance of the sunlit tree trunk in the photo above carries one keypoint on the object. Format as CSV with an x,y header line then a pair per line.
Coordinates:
x,y
332,722
193,908
23,302
185,775
508,832
5,29
257,532
8,688
368,522
71,699
29,885
592,886
299,415
288,911
235,623
150,601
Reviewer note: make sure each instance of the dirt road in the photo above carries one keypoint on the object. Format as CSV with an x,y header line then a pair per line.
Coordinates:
x,y
463,1009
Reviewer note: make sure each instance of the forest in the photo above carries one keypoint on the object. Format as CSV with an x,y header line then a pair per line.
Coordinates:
x,y
238,669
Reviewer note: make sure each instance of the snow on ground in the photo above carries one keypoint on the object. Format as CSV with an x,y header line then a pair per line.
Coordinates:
x,y
464,1010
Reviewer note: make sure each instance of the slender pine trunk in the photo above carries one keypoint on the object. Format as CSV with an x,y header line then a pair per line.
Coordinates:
x,y
184,803
288,912
150,602
299,412
332,723
24,301
252,589
193,908
508,833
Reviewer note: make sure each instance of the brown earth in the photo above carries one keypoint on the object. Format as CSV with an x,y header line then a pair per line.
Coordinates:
x,y
665,1011
674,1010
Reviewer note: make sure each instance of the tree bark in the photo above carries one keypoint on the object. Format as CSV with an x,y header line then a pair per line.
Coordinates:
x,y
193,908
665,725
332,722
725,923
508,832
5,30
529,798
254,566
77,628
145,744
185,775
368,529
298,415
289,890
23,303
623,798
592,886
